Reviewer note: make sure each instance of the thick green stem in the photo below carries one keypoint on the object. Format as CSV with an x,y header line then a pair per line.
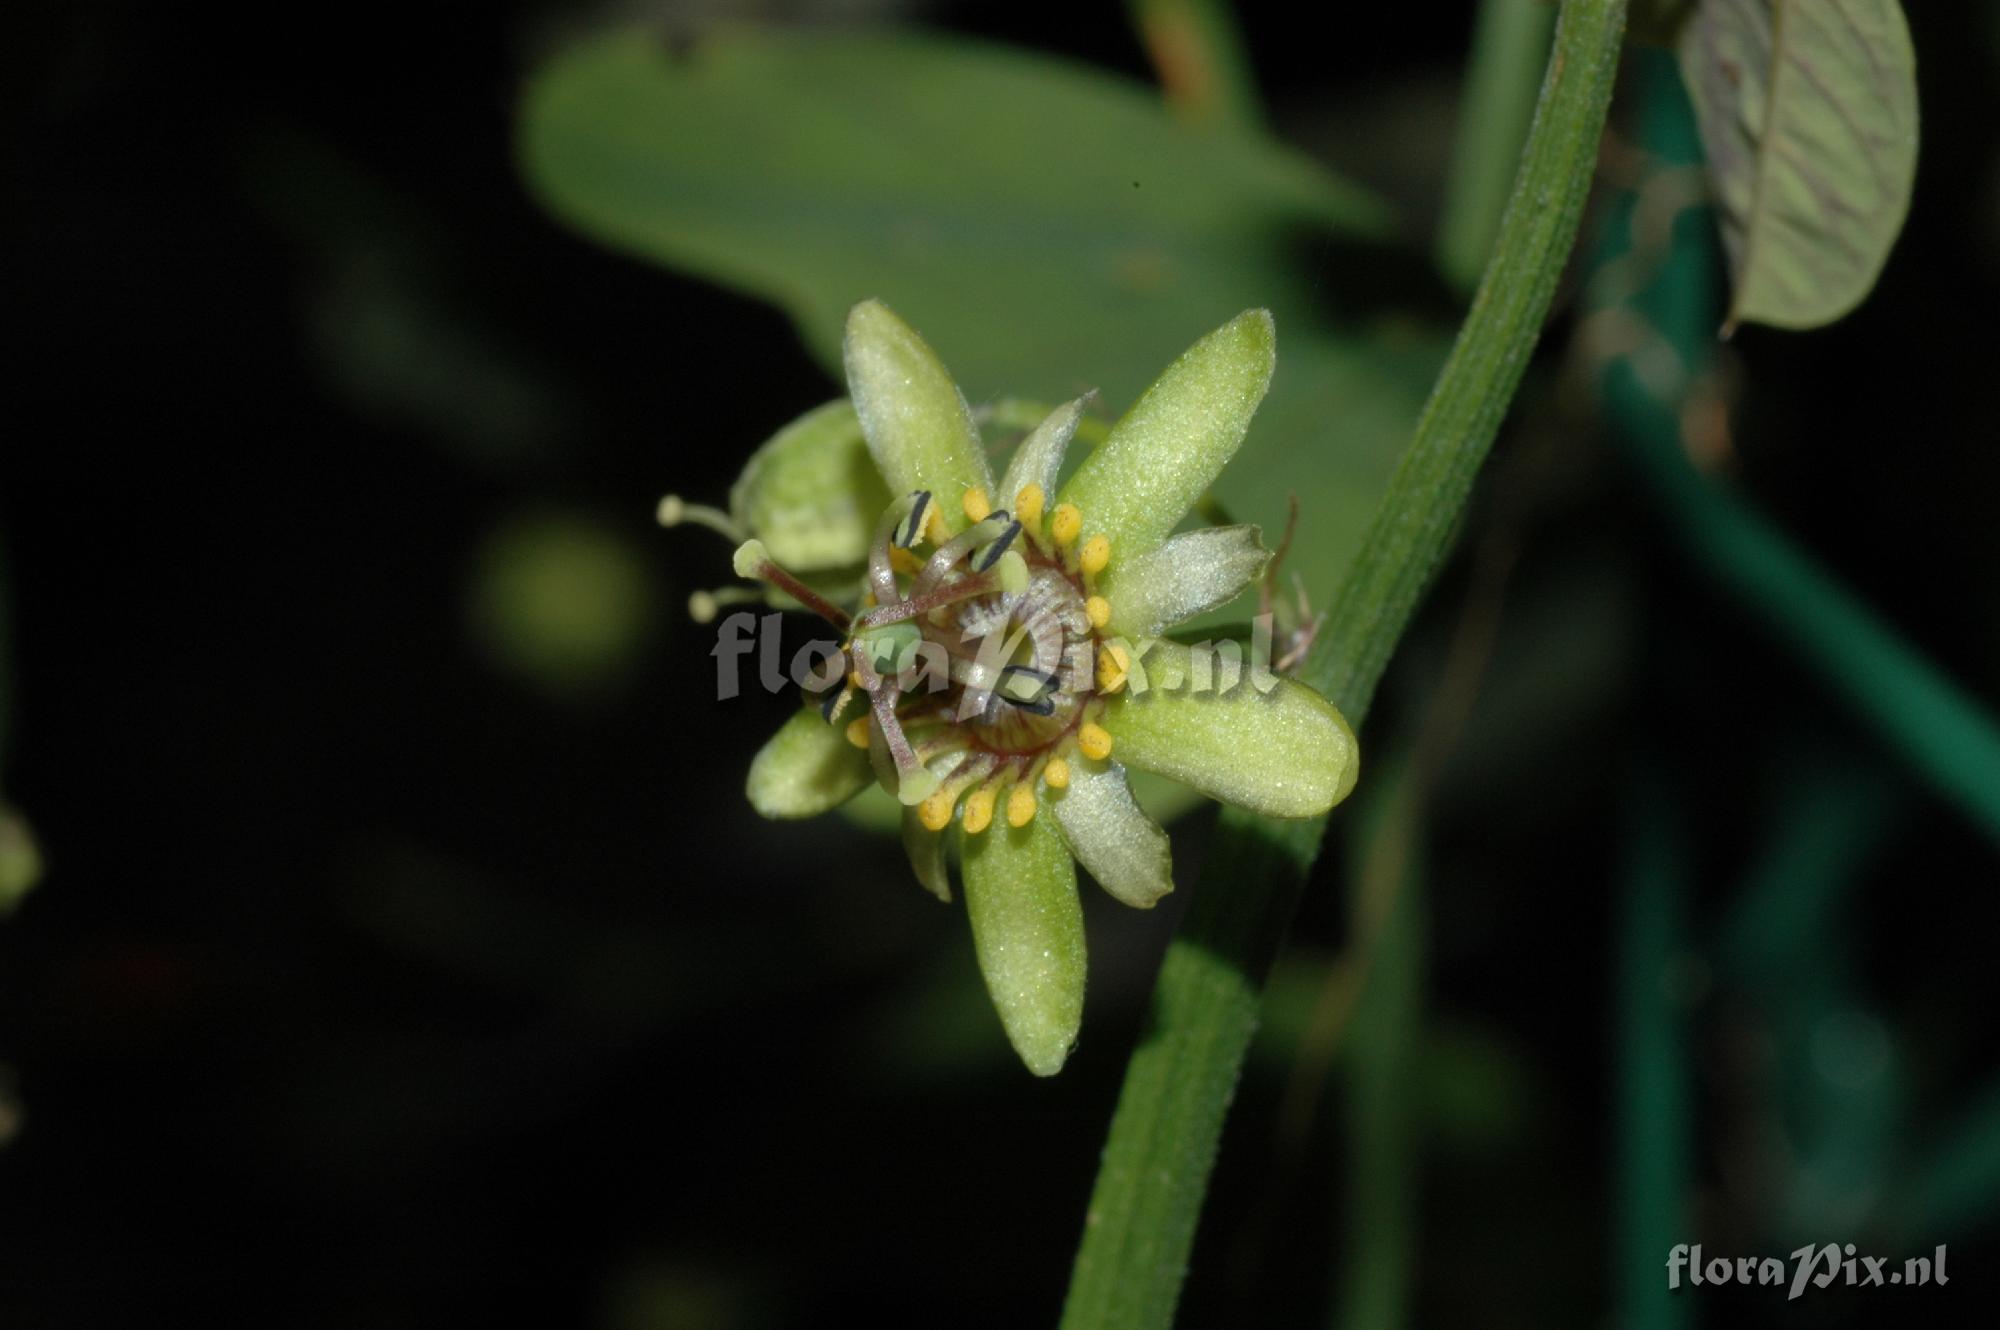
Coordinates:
x,y
1178,1085
1509,43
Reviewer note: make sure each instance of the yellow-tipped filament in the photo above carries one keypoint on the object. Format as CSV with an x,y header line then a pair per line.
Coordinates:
x,y
1020,806
1095,554
1094,740
857,731
1028,508
1056,773
935,811
1098,610
1114,663
1066,523
977,506
978,810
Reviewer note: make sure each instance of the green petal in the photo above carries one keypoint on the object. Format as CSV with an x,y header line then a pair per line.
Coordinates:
x,y
919,430
807,768
926,850
1040,457
1111,836
1174,441
1027,926
1190,574
811,493
1285,753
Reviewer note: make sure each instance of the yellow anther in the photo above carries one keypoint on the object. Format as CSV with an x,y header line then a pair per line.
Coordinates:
x,y
1056,773
1094,740
935,811
977,506
934,525
1114,662
1028,507
978,811
904,562
854,678
1066,523
1020,806
1095,554
940,617
1099,611
857,731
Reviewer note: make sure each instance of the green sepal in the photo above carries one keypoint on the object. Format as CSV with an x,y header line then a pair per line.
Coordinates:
x,y
1027,928
1114,840
812,494
1189,574
920,431
1166,451
1284,753
807,768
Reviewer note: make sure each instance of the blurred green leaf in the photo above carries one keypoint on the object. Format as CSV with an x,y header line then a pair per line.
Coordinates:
x,y
1048,228
1809,118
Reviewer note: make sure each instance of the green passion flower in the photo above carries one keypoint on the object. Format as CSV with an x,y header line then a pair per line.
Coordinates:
x,y
1001,644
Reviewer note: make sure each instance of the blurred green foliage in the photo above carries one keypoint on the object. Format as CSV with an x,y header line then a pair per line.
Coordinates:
x,y
1050,228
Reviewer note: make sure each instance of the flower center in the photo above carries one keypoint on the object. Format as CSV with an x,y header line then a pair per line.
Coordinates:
x,y
981,663
1023,661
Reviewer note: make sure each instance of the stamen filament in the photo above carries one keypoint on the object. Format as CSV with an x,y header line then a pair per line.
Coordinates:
x,y
673,510
914,780
752,560
964,589
960,545
889,533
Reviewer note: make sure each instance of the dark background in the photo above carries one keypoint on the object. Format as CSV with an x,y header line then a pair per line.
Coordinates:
x,y
388,971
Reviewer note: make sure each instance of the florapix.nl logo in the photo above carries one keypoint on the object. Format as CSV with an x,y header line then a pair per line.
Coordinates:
x,y
1809,1267
927,665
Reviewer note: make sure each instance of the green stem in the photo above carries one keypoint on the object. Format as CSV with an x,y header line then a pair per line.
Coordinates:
x,y
1199,56
1655,1109
1375,1271
1947,736
1956,1189
1178,1085
1508,46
